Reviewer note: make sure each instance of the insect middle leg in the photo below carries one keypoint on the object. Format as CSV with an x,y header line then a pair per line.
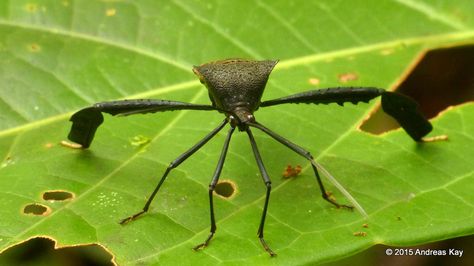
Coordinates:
x,y
325,194
173,165
268,184
212,186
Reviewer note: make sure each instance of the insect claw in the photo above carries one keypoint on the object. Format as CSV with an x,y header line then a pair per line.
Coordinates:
x,y
204,244
200,246
328,196
131,218
351,208
267,248
125,221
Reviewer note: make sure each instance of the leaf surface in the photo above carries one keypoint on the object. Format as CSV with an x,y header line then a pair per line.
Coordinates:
x,y
58,57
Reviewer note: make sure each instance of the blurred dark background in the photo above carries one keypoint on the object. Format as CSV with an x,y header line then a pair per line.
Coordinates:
x,y
40,251
442,78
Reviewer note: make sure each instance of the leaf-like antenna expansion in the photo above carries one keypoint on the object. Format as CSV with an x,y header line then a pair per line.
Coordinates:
x,y
405,111
84,124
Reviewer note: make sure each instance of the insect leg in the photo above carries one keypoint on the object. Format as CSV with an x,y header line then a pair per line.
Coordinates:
x,y
309,157
268,184
212,186
401,107
173,165
85,122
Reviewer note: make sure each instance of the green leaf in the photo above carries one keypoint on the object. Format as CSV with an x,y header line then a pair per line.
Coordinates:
x,y
60,56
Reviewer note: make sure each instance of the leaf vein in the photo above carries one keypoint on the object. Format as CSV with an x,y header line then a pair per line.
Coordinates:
x,y
431,13
218,30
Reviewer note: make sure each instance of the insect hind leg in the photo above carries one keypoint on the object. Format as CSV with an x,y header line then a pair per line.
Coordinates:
x,y
315,165
326,194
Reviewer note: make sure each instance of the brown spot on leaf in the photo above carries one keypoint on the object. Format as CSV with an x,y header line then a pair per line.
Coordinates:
x,y
48,145
291,171
360,234
346,77
34,47
314,81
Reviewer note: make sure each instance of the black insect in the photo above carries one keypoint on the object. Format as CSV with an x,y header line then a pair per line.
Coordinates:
x,y
235,87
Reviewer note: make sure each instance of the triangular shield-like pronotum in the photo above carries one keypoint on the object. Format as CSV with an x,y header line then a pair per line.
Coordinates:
x,y
235,82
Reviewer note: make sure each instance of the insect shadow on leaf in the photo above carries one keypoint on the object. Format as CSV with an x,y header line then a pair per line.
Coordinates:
x,y
235,88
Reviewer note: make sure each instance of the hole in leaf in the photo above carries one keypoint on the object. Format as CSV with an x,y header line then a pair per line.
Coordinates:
x,y
57,195
225,188
42,251
36,209
442,78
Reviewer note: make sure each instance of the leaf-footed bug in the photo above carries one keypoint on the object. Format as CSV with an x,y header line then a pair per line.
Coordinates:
x,y
235,88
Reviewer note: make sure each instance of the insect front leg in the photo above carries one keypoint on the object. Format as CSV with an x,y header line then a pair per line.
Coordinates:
x,y
85,122
268,184
173,165
212,186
